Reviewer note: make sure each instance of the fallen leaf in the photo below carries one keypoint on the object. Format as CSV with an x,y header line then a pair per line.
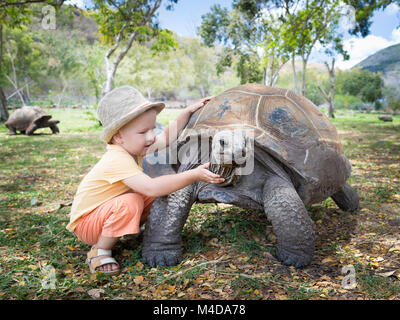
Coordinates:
x,y
171,289
138,280
139,266
327,260
386,274
95,293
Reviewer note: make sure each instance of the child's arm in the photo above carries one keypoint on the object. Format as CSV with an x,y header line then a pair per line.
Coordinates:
x,y
172,131
163,185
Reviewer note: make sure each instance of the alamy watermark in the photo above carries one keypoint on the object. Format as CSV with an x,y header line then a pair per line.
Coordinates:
x,y
49,18
48,280
349,281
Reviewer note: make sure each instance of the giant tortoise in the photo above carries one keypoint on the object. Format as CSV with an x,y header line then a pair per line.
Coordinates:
x,y
28,119
295,156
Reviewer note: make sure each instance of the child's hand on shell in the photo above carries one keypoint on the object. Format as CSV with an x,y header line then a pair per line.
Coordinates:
x,y
199,104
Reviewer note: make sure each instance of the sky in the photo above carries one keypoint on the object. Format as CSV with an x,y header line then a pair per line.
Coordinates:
x,y
185,18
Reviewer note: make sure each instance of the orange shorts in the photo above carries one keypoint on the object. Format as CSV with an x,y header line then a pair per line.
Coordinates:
x,y
114,218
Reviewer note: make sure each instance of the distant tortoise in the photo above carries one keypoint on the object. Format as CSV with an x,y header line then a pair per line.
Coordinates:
x,y
297,160
28,119
385,118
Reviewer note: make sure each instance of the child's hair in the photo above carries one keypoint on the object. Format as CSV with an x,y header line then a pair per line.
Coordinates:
x,y
111,141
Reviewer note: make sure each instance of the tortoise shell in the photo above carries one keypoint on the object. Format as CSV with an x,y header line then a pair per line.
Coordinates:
x,y
23,117
286,125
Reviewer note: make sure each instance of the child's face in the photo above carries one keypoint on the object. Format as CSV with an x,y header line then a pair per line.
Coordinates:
x,y
137,135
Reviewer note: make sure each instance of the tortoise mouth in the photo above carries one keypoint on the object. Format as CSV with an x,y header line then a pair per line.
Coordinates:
x,y
227,171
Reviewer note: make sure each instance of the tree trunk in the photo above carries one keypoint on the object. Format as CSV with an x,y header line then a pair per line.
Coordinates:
x,y
148,93
65,84
332,80
330,97
112,69
265,76
202,91
28,94
109,78
3,101
296,87
303,78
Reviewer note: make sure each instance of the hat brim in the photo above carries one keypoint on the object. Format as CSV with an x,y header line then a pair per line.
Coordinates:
x,y
113,128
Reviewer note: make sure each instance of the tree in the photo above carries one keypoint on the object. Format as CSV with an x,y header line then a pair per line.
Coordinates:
x,y
364,11
187,72
361,83
14,14
121,22
330,95
254,39
276,53
304,24
241,38
392,97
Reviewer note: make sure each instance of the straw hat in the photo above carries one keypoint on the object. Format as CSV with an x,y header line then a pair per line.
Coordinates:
x,y
121,105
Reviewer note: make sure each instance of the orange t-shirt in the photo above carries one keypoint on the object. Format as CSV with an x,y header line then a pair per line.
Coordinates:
x,y
103,182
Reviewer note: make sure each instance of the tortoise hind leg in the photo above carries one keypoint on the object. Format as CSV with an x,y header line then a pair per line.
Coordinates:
x,y
346,198
12,131
290,221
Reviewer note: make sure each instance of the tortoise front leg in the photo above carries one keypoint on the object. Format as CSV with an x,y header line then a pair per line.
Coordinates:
x,y
162,236
346,198
290,221
31,129
53,126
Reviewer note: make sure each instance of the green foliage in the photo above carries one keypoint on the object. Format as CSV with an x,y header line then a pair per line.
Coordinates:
x,y
248,69
346,101
188,71
239,35
392,97
361,83
293,28
364,11
16,13
214,26
121,19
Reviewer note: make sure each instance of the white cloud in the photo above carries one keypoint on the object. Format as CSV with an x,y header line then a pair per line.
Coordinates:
x,y
396,35
361,48
392,9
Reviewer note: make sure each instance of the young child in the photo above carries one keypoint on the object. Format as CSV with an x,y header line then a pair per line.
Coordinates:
x,y
115,197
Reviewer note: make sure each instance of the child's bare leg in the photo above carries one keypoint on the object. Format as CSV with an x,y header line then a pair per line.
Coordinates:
x,y
106,243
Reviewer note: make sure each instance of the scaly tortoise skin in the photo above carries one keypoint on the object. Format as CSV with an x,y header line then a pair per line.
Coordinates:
x,y
298,160
28,119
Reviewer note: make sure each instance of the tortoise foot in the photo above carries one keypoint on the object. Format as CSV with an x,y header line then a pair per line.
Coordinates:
x,y
163,258
293,258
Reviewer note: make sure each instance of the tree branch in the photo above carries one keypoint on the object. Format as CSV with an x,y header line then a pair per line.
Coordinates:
x,y
28,2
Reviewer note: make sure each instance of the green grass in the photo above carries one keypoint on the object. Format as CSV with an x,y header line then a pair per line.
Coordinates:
x,y
225,248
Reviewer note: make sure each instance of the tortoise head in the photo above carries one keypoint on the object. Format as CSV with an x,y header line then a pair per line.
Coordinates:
x,y
42,120
230,150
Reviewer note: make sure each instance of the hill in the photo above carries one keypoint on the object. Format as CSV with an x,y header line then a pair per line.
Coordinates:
x,y
386,61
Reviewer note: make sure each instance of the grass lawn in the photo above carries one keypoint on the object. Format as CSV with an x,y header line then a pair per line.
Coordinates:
x,y
228,251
